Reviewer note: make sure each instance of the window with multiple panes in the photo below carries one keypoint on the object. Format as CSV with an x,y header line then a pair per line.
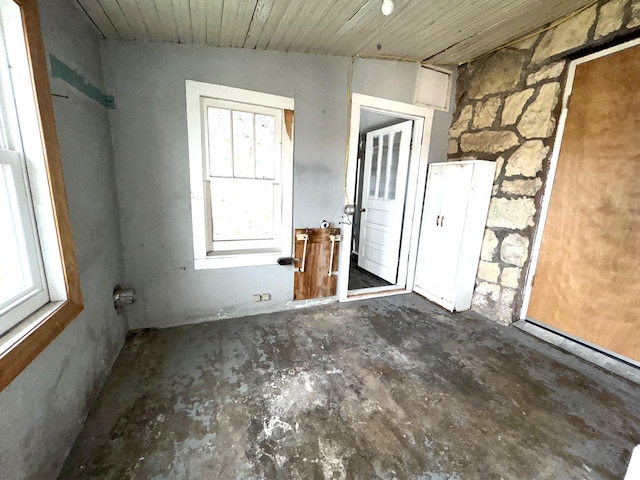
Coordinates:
x,y
240,152
23,287
39,284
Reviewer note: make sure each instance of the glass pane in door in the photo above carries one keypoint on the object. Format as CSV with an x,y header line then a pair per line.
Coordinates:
x,y
393,170
373,176
382,184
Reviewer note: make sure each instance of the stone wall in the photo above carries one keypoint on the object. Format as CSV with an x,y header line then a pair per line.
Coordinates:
x,y
507,110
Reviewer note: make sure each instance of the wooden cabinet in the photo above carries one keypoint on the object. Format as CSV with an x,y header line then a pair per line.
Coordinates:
x,y
453,223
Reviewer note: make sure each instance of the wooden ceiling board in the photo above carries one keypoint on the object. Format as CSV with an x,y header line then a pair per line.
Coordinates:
x,y
95,12
385,30
504,30
259,20
293,15
478,30
199,20
460,20
184,21
134,17
278,9
365,25
327,40
167,19
214,21
149,14
318,37
243,21
229,16
297,30
443,31
119,21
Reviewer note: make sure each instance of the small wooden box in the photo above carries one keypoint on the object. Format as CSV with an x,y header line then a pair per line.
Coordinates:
x,y
318,276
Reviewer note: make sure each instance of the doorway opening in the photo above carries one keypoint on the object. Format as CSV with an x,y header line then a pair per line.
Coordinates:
x,y
385,175
384,148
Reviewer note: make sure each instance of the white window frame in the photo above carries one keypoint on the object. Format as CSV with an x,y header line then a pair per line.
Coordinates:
x,y
22,136
34,295
227,254
29,133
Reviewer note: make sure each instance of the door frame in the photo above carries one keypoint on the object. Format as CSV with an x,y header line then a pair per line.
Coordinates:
x,y
553,165
416,183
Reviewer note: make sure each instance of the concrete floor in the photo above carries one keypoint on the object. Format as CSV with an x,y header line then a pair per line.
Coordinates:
x,y
390,388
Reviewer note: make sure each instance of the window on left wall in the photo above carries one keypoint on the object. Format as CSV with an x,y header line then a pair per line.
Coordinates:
x,y
39,284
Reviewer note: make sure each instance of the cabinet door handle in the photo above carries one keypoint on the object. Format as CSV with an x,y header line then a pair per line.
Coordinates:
x,y
438,220
442,221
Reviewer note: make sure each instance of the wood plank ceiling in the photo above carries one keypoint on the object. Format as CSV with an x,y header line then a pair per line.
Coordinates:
x,y
437,31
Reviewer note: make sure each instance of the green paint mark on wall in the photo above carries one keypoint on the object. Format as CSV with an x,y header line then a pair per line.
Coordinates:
x,y
64,72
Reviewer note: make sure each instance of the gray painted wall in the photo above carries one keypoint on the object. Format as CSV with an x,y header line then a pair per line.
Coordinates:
x,y
152,169
385,79
150,144
42,410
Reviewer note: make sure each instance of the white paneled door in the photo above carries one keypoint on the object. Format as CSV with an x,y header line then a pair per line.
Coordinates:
x,y
384,185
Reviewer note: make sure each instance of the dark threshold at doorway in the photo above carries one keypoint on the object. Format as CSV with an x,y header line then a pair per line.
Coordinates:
x,y
383,388
360,278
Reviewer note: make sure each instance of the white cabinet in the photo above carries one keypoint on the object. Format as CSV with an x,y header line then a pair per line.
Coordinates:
x,y
453,223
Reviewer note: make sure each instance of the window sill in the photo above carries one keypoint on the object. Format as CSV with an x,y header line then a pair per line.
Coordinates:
x,y
20,345
233,261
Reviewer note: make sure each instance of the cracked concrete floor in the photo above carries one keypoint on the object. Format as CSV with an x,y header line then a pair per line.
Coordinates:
x,y
390,388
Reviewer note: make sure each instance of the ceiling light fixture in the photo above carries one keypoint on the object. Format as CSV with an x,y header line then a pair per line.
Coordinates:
x,y
387,7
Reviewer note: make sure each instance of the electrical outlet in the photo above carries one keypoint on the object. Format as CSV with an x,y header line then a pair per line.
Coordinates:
x,y
257,297
265,297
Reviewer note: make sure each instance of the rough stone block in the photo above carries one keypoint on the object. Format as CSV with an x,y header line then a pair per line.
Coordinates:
x,y
525,44
527,160
507,296
488,290
538,120
488,141
499,164
610,18
514,249
488,271
462,122
502,314
510,277
547,72
513,106
500,72
566,36
485,113
480,304
453,147
634,21
514,214
527,188
489,244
